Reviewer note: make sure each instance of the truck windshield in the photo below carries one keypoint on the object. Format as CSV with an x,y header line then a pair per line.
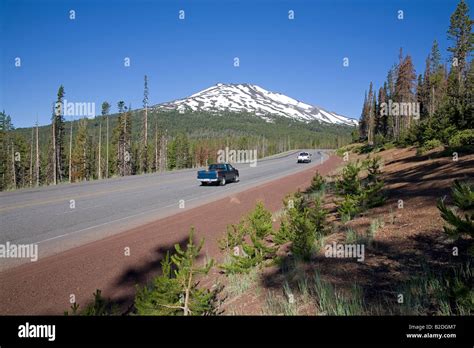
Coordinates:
x,y
217,167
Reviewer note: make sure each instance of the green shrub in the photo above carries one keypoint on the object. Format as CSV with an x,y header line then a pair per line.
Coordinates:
x,y
372,193
341,151
260,221
350,183
255,227
317,183
349,207
303,224
461,220
366,148
462,138
373,166
359,194
446,134
234,236
304,236
388,146
284,233
379,140
463,195
98,307
307,223
430,145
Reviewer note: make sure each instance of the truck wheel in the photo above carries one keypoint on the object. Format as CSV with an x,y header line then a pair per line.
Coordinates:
x,y
222,182
203,183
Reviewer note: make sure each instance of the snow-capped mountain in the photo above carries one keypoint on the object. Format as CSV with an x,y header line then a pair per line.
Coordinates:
x,y
254,99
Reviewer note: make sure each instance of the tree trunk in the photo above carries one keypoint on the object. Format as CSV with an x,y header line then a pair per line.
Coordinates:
x,y
156,149
31,156
13,166
70,154
100,146
186,297
145,142
54,152
37,156
107,149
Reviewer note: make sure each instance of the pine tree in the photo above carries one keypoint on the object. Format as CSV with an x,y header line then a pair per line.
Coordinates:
x,y
364,122
391,79
31,157
426,93
144,153
382,120
127,133
59,158
20,161
372,117
79,155
462,38
366,126
183,160
419,93
437,79
460,34
176,291
435,57
122,135
404,91
37,161
70,151
105,112
469,98
6,127
461,221
249,236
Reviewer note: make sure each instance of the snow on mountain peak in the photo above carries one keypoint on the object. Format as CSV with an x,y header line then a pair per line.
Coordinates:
x,y
244,97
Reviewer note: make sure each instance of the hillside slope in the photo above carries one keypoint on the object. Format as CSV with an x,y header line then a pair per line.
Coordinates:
x,y
407,254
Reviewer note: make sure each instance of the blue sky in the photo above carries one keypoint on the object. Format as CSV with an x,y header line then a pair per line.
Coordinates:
x,y
302,58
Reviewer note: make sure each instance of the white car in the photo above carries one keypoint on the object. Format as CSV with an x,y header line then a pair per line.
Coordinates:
x,y
304,157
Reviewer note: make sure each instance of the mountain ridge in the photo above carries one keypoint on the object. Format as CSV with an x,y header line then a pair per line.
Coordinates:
x,y
245,97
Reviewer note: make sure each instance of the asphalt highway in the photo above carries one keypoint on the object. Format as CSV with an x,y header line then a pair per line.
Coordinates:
x,y
57,218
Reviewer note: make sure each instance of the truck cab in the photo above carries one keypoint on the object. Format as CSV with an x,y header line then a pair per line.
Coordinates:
x,y
220,173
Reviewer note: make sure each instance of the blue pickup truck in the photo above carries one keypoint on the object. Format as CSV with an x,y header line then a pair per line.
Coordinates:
x,y
220,173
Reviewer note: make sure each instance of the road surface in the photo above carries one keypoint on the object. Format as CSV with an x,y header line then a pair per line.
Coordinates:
x,y
58,218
